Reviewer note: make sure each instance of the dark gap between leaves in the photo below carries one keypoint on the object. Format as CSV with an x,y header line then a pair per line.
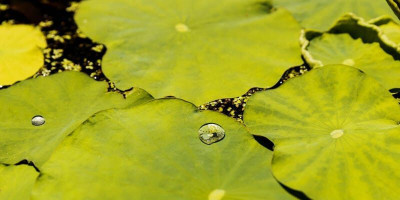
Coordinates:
x,y
29,163
296,193
265,142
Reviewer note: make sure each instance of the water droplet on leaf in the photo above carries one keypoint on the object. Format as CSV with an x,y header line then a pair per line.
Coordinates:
x,y
211,133
38,120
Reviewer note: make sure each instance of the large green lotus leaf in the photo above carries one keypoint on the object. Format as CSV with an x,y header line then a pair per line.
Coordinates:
x,y
196,50
370,58
321,14
153,151
64,100
394,4
335,131
20,52
16,182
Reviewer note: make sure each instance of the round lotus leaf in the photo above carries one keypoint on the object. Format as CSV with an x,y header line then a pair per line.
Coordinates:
x,y
370,58
394,4
20,52
335,131
37,114
153,151
16,182
321,14
196,50
357,27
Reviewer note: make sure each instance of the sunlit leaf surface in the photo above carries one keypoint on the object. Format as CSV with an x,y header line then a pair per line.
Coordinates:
x,y
153,151
16,182
370,58
20,52
37,114
196,50
335,131
321,14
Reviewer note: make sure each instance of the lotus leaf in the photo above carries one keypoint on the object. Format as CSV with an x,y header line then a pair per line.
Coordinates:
x,y
20,52
196,50
153,151
370,58
321,14
391,30
357,27
64,101
16,182
335,131
394,4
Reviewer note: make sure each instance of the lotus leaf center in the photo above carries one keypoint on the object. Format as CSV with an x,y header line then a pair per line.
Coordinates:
x,y
337,133
216,194
182,28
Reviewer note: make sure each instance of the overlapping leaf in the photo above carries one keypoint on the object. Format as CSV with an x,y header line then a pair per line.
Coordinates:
x,y
390,31
153,151
64,100
195,50
322,14
20,52
394,4
370,58
335,131
16,182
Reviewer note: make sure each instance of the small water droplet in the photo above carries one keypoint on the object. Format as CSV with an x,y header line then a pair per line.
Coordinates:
x,y
337,133
211,133
38,120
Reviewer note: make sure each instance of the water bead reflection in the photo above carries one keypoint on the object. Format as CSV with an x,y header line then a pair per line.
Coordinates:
x,y
38,120
211,133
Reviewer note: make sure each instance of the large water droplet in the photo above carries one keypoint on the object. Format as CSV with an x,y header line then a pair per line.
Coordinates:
x,y
211,133
38,120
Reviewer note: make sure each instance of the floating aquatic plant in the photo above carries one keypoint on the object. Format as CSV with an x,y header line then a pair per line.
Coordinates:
x,y
370,58
320,131
395,5
16,182
20,52
59,104
335,131
321,14
196,50
152,151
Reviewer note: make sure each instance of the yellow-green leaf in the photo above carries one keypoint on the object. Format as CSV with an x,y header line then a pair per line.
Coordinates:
x,y
62,102
394,4
196,50
370,58
321,14
153,151
336,134
16,182
20,52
